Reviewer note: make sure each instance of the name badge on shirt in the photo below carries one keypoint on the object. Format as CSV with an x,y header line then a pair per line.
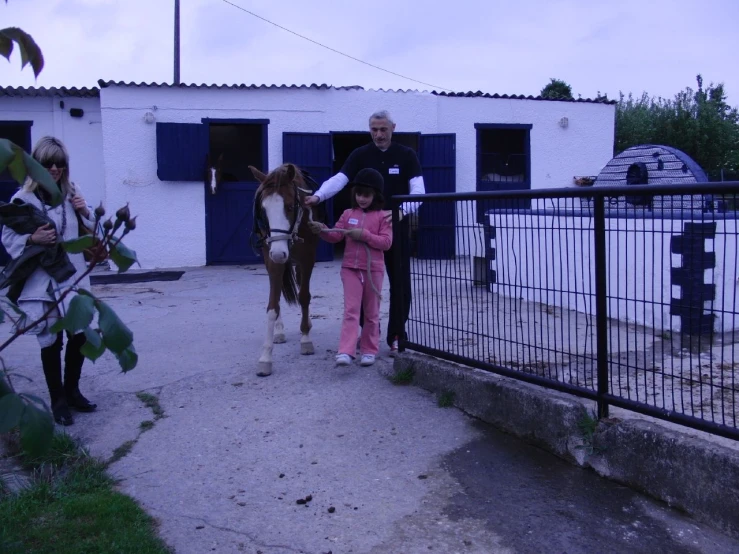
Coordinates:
x,y
353,221
394,171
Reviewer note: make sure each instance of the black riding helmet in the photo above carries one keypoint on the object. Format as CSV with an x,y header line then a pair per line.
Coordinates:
x,y
371,178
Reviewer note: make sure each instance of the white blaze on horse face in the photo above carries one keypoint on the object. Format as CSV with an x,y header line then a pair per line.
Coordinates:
x,y
213,183
274,208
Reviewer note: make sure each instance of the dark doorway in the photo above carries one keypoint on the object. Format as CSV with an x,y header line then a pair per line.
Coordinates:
x,y
229,212
20,133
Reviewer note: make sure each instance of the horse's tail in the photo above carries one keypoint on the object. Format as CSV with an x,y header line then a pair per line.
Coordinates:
x,y
289,285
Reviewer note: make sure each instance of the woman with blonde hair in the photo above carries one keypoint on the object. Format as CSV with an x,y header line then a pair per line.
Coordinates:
x,y
45,283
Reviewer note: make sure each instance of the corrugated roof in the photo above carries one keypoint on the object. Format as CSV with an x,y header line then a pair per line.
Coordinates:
x,y
94,92
480,94
104,84
83,92
470,94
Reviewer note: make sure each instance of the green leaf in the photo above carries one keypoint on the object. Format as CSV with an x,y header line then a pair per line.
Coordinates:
x,y
80,314
11,411
116,335
128,359
22,165
123,257
41,175
30,51
6,47
37,430
78,245
94,347
6,153
93,337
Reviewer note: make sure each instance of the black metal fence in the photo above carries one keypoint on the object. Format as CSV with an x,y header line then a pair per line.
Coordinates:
x,y
625,295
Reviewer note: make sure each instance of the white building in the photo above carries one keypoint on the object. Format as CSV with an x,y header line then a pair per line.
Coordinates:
x,y
149,143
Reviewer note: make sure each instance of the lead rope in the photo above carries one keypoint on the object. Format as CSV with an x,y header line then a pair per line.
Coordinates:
x,y
366,247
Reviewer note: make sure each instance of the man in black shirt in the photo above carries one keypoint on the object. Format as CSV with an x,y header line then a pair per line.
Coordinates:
x,y
402,173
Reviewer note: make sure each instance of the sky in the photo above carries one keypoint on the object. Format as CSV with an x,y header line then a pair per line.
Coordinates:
x,y
505,47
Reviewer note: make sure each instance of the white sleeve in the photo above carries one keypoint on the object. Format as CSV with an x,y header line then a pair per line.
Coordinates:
x,y
416,187
331,187
14,243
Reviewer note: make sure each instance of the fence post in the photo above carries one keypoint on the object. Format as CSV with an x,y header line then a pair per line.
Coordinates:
x,y
399,262
601,302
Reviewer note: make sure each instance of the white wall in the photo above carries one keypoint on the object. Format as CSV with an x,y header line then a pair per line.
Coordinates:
x,y
551,259
82,136
171,226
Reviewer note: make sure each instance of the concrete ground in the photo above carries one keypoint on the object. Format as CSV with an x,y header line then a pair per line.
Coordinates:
x,y
230,465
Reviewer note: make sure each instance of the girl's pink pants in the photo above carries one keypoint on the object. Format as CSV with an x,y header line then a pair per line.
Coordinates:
x,y
358,291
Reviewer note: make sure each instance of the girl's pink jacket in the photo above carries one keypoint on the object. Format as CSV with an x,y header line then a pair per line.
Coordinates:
x,y
377,233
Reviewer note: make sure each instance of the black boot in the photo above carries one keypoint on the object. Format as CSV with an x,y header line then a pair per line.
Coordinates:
x,y
51,361
73,360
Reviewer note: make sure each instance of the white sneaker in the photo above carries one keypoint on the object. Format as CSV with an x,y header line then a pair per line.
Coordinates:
x,y
367,359
343,359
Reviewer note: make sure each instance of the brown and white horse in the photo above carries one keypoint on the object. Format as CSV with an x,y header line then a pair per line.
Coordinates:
x,y
281,229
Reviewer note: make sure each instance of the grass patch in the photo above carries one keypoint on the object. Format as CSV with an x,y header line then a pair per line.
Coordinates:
x,y
76,511
151,402
63,450
446,399
146,425
122,451
71,506
588,424
403,376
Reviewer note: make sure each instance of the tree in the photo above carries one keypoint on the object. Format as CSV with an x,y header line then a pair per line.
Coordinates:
x,y
699,122
557,89
26,412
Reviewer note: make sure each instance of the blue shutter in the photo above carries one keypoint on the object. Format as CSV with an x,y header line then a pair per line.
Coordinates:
x,y
313,152
181,151
437,220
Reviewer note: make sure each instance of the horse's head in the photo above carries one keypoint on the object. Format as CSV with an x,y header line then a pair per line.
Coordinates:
x,y
213,173
277,201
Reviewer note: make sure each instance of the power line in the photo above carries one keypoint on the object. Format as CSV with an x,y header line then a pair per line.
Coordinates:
x,y
333,49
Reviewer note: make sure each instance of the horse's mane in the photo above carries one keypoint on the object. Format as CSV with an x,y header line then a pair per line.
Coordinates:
x,y
277,178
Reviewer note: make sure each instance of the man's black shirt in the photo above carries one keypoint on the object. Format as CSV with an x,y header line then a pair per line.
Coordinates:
x,y
397,165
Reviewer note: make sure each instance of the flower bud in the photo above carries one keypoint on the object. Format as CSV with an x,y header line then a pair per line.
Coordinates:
x,y
99,211
123,214
131,224
108,225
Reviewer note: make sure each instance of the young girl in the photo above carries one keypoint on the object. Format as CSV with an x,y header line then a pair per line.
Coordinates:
x,y
368,235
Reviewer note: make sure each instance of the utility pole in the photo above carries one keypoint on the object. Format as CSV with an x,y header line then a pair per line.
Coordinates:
x,y
176,42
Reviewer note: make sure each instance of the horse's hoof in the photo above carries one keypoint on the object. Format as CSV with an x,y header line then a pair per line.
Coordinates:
x,y
265,369
306,348
279,339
